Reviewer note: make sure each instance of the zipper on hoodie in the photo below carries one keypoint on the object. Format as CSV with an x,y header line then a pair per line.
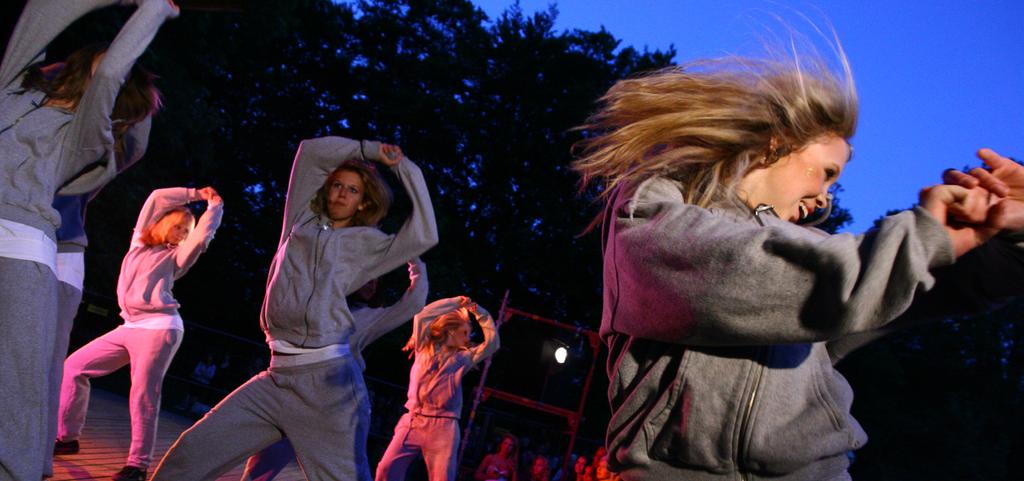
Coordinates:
x,y
741,451
35,106
748,409
764,209
316,264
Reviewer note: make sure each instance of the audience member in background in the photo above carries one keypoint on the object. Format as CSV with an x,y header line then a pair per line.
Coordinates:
x,y
540,469
201,375
500,465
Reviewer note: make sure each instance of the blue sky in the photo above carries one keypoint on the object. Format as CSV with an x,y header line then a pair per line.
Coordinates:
x,y
937,79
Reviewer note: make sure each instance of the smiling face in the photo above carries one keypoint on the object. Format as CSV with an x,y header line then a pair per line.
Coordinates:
x,y
345,197
798,183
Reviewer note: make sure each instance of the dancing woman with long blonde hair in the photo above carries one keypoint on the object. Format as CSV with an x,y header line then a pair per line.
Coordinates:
x,y
442,357
723,313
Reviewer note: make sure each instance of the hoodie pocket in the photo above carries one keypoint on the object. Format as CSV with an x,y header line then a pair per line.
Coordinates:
x,y
827,399
690,424
800,406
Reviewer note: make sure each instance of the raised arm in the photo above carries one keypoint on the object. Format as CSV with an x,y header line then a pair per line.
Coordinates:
x,y
372,323
90,137
40,22
491,342
418,233
195,244
136,142
314,161
679,273
421,321
161,201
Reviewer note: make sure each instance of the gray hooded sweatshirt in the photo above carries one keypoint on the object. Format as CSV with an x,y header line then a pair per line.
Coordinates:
x,y
435,379
45,147
374,322
722,332
145,285
71,233
316,266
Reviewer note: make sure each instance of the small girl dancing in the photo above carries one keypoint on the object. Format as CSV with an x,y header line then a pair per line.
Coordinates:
x,y
440,344
163,249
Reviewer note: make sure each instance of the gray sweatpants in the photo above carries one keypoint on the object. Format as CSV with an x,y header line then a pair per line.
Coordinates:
x,y
28,318
322,408
68,299
435,438
149,353
267,464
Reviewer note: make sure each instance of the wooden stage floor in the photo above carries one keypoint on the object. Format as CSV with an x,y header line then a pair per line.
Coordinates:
x,y
104,443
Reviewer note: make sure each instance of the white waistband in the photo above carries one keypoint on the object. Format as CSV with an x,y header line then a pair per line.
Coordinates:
x,y
310,356
20,241
155,321
71,268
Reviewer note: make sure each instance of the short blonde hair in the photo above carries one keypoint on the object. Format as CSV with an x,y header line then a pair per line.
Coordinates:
x,y
155,234
707,123
440,329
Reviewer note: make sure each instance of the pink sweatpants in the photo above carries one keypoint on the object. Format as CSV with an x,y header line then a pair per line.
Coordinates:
x,y
149,351
438,440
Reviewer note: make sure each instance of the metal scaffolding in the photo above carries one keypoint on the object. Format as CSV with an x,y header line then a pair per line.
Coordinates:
x,y
572,417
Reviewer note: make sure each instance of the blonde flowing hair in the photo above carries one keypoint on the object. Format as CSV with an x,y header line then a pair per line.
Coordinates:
x,y
438,332
707,123
155,234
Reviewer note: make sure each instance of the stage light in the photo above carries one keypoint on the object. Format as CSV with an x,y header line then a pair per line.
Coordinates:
x,y
561,354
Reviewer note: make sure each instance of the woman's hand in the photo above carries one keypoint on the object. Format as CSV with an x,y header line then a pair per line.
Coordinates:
x,y
1002,177
467,303
949,203
210,196
390,155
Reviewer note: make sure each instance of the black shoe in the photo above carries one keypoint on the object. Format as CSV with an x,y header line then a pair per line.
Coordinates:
x,y
65,447
130,473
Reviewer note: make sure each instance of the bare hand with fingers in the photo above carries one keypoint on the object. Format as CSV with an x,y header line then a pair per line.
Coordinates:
x,y
948,203
210,195
1004,179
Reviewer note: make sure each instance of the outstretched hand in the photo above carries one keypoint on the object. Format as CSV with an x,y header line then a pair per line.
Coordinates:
x,y
1001,177
963,212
